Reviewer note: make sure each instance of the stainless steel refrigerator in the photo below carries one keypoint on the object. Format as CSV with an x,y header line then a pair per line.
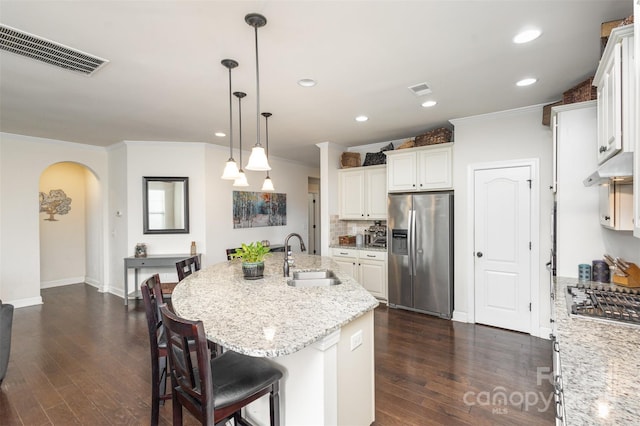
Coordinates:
x,y
420,241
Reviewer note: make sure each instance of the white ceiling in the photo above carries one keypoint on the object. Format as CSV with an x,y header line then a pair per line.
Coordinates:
x,y
164,81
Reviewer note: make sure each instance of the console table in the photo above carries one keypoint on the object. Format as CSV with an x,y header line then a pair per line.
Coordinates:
x,y
151,261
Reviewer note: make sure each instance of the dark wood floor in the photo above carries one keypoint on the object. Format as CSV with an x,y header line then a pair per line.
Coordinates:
x,y
82,358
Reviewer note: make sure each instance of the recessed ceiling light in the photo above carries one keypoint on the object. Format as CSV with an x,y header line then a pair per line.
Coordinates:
x,y
526,82
526,36
362,118
307,82
220,134
428,104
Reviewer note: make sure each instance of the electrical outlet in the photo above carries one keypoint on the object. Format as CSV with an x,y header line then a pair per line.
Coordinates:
x,y
356,339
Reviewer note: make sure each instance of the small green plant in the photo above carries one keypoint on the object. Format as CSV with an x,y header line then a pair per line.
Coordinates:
x,y
254,252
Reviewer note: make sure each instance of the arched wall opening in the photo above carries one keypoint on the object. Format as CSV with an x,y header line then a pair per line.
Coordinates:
x,y
70,229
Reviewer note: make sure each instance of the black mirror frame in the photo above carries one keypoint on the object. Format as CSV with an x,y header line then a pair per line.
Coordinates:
x,y
145,205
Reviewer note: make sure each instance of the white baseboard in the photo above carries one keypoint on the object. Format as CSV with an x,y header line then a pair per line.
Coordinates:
x,y
22,303
60,283
460,316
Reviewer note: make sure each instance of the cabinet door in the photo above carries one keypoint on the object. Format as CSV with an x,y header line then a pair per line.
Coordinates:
x,y
401,172
376,193
348,265
351,187
434,169
609,108
373,277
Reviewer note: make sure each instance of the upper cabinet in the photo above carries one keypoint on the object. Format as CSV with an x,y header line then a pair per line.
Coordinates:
x,y
363,193
425,168
615,79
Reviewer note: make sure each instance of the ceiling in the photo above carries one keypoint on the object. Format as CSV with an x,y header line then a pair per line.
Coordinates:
x,y
164,80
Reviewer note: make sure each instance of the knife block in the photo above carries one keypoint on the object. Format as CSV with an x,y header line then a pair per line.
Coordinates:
x,y
632,280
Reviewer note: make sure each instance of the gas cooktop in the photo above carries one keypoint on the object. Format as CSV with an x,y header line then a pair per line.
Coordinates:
x,y
604,302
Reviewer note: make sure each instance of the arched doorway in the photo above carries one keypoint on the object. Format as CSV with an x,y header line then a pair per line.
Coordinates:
x,y
70,226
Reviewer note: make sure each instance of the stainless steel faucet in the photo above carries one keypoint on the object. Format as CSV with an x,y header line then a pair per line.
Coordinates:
x,y
285,268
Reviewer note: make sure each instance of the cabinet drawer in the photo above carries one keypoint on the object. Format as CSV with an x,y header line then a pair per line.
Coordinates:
x,y
373,255
345,252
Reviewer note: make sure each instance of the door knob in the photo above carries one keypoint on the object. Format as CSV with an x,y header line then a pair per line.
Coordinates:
x,y
479,254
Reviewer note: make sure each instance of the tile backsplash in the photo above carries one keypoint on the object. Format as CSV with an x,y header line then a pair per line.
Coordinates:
x,y
347,227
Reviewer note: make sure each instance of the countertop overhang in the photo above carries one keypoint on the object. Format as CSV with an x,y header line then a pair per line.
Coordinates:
x,y
267,317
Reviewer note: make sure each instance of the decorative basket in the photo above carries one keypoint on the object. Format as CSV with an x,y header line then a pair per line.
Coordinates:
x,y
582,92
408,144
350,159
435,136
374,158
347,240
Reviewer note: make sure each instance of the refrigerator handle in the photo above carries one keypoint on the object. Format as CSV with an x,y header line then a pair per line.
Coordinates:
x,y
412,242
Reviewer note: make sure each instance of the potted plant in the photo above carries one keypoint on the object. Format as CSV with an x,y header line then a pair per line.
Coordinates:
x,y
252,256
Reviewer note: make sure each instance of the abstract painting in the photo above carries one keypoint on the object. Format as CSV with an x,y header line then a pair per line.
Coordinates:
x,y
256,209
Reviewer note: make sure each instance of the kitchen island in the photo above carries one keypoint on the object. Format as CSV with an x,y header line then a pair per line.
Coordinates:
x,y
321,336
600,366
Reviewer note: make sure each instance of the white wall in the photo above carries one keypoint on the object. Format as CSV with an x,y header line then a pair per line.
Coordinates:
x,y
510,135
23,161
210,203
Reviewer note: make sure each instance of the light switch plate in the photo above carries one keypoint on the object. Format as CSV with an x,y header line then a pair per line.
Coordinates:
x,y
356,339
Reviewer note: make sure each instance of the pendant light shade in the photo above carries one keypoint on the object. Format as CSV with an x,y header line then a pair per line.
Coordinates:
x,y
258,159
268,183
231,171
241,180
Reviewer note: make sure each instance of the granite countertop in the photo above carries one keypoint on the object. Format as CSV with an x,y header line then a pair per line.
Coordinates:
x,y
267,317
600,366
348,246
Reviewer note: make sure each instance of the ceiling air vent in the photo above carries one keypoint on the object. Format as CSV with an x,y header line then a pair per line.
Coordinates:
x,y
41,49
420,89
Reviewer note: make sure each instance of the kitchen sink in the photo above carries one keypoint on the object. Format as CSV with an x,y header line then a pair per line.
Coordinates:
x,y
319,278
313,274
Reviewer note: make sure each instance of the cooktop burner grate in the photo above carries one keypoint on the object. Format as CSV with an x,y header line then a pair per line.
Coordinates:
x,y
605,304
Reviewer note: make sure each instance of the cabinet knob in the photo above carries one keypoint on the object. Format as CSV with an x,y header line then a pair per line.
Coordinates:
x,y
602,149
479,254
606,217
414,185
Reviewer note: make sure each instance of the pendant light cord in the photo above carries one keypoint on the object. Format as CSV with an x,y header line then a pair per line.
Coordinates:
x,y
231,119
257,91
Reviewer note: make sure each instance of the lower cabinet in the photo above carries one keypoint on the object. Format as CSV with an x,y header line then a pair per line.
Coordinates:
x,y
368,267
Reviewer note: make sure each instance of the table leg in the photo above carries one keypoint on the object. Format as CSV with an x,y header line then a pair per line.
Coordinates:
x,y
135,283
126,285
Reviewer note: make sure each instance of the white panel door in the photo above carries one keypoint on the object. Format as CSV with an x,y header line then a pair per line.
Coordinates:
x,y
502,247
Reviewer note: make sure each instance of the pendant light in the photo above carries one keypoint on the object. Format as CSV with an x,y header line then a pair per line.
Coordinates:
x,y
231,171
242,178
268,183
257,160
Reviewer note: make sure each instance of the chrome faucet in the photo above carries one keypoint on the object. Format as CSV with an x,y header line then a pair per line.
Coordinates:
x,y
287,252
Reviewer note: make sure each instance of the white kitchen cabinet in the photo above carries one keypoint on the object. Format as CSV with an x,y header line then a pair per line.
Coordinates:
x,y
368,267
363,193
615,80
615,206
425,168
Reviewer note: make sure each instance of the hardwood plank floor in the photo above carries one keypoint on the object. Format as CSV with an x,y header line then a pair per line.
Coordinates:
x,y
82,358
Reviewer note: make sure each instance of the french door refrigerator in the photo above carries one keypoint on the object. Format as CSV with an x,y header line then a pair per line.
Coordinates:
x,y
420,257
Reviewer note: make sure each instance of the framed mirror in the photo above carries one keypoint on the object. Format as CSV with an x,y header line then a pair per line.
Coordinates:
x,y
165,205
